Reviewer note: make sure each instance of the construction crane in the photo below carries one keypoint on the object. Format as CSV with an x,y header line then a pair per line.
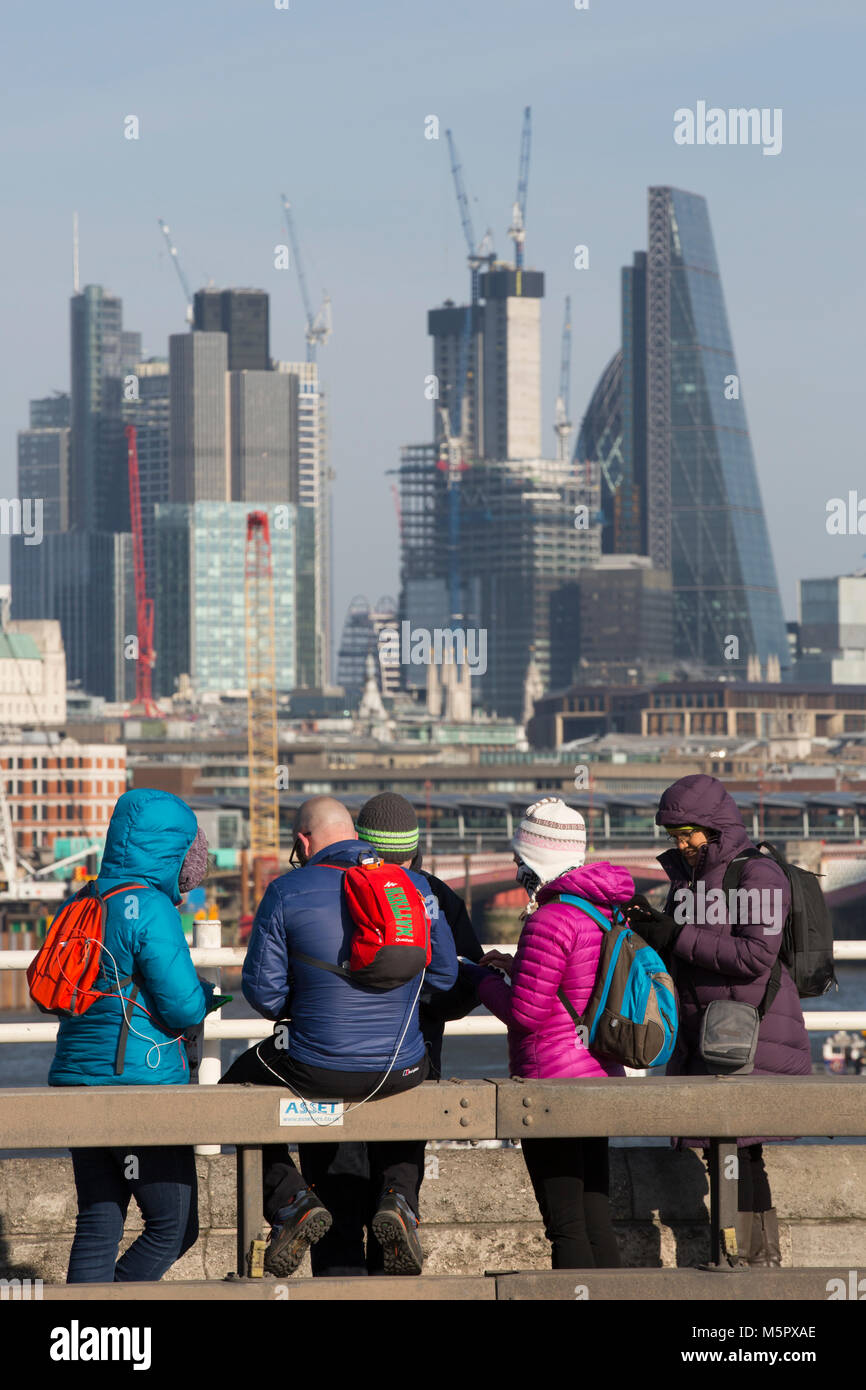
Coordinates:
x,y
477,256
319,324
483,252
261,687
172,249
517,230
144,702
562,424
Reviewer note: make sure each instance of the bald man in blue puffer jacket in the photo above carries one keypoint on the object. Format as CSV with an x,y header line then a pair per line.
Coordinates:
x,y
341,1041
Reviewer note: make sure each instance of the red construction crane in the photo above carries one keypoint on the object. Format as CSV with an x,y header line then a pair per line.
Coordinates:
x,y
144,702
261,688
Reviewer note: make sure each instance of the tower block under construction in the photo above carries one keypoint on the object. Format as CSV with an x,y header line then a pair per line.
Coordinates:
x,y
493,534
501,399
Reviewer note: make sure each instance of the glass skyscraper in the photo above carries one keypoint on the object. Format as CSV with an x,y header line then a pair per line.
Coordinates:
x,y
668,427
102,354
200,610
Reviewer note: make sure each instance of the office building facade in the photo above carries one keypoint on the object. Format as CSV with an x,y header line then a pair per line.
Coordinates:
x,y
832,630
199,464
457,333
310,490
150,412
59,788
359,640
243,315
201,627
83,580
523,531
613,624
51,412
263,414
102,355
32,674
511,363
43,473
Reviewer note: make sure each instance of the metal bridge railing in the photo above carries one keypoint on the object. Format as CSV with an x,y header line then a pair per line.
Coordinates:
x,y
209,956
720,1108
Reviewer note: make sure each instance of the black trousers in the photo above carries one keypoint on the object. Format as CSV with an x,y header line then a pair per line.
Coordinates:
x,y
570,1178
350,1178
753,1184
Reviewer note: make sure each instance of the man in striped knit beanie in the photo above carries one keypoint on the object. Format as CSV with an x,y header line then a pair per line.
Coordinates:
x,y
389,823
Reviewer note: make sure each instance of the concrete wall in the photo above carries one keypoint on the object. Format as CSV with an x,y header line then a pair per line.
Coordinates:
x,y
479,1213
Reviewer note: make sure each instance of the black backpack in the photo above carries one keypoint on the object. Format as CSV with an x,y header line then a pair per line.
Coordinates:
x,y
807,936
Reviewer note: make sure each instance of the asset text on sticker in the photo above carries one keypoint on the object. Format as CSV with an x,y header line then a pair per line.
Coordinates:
x,y
311,1112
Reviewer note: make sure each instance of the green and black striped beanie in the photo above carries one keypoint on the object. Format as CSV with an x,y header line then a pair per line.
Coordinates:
x,y
389,824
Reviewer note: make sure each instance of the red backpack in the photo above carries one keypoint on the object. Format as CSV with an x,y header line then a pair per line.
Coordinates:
x,y
391,941
61,974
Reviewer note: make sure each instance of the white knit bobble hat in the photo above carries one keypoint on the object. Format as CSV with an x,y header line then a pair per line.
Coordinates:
x,y
551,838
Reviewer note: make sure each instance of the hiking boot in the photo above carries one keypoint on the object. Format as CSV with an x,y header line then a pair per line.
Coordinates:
x,y
395,1226
297,1226
764,1251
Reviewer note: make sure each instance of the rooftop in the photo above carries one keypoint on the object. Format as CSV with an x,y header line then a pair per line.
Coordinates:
x,y
17,646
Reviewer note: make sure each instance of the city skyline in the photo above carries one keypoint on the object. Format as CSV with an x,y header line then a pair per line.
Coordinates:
x,y
381,232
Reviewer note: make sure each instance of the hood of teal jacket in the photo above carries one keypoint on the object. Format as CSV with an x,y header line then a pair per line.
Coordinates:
x,y
148,837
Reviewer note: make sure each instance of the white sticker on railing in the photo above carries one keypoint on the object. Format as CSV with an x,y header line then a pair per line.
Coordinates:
x,y
311,1112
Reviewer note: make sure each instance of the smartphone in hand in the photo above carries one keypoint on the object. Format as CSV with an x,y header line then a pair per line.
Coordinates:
x,y
217,1001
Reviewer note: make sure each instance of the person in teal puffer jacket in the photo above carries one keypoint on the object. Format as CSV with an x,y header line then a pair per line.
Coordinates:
x,y
134,1036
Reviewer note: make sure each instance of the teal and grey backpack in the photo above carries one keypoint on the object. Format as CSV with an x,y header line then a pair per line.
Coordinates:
x,y
631,1015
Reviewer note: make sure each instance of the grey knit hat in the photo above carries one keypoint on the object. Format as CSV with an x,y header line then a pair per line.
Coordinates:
x,y
390,825
194,866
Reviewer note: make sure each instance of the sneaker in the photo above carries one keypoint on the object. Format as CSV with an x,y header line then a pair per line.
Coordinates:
x,y
395,1226
296,1227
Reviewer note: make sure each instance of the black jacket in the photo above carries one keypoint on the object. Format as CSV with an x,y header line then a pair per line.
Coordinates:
x,y
462,998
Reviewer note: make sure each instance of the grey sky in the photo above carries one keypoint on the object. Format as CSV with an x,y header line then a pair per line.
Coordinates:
x,y
326,101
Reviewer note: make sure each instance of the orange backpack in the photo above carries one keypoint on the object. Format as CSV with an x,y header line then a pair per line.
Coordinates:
x,y
62,973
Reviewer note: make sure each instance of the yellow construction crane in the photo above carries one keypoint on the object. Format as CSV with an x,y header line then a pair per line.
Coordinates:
x,y
261,687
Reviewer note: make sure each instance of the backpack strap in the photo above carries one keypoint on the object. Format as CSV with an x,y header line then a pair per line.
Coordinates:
x,y
314,960
731,881
120,1055
129,1000
340,970
364,862
587,907
579,1020
320,964
734,871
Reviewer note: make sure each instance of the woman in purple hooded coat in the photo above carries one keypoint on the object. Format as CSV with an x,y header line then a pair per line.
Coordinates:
x,y
711,959
559,948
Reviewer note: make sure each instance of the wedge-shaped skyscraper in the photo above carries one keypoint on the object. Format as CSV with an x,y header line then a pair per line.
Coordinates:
x,y
667,425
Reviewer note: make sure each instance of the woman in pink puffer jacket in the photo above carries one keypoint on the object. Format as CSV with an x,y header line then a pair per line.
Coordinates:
x,y
559,948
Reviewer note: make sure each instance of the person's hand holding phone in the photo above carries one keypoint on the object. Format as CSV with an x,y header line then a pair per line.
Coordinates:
x,y
498,960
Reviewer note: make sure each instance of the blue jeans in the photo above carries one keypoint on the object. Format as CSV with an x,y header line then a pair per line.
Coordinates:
x,y
164,1184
